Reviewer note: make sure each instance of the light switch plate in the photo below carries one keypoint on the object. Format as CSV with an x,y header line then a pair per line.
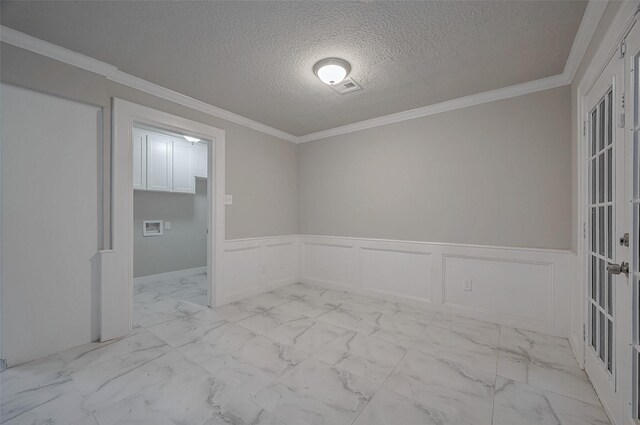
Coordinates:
x,y
228,200
467,285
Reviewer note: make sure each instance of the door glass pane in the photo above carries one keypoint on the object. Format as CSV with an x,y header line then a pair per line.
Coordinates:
x,y
594,315
601,228
601,283
594,121
609,175
601,175
609,232
609,118
601,125
602,348
609,345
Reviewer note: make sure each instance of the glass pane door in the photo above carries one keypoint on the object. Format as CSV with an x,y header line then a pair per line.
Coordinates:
x,y
635,234
602,224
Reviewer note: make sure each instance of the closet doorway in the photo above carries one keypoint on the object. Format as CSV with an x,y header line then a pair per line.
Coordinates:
x,y
167,221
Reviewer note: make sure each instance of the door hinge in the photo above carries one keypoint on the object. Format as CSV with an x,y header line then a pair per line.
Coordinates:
x,y
621,121
584,332
584,230
623,48
584,128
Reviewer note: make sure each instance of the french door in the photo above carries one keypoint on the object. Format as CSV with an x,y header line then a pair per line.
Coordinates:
x,y
632,95
605,257
612,354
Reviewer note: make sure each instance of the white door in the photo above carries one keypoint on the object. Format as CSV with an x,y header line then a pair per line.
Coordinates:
x,y
608,292
183,164
159,162
632,96
139,159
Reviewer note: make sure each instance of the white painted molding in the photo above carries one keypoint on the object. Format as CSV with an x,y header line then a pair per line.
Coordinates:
x,y
590,20
177,274
53,51
588,25
449,105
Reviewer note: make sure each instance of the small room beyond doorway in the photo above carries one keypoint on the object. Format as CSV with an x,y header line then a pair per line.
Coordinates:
x,y
170,223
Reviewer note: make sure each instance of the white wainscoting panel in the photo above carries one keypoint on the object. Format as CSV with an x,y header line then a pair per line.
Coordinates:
x,y
395,271
525,288
252,266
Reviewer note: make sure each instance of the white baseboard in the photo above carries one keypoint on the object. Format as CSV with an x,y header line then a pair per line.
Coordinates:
x,y
177,274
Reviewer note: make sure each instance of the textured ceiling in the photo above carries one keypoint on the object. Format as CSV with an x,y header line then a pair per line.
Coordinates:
x,y
255,58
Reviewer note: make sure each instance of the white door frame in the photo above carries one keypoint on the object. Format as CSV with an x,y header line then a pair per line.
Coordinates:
x,y
117,263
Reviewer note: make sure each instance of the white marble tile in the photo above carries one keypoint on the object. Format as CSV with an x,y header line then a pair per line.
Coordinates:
x,y
315,393
105,385
238,311
461,383
387,408
62,410
543,361
392,328
439,340
223,339
457,322
264,322
362,355
266,300
306,334
349,319
126,353
192,397
25,387
306,306
187,329
517,403
89,420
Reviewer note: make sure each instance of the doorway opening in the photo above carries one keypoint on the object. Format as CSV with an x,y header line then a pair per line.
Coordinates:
x,y
170,223
164,169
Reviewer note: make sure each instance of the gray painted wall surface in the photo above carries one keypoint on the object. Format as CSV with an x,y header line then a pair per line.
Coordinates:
x,y
496,174
261,170
184,246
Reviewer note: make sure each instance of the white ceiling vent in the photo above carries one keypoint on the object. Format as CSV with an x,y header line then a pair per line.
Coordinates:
x,y
345,86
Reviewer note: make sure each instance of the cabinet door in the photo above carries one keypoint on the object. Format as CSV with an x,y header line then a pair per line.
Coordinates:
x,y
201,159
139,160
159,163
183,177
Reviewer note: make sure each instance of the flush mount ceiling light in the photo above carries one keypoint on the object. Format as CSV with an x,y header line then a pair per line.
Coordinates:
x,y
332,70
192,139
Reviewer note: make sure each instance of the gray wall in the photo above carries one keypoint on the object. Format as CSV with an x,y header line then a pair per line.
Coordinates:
x,y
497,174
184,246
261,170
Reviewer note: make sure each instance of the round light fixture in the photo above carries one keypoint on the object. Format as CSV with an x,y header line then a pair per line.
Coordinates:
x,y
332,70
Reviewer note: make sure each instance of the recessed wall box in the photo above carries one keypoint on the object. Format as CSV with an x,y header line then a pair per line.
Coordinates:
x,y
152,228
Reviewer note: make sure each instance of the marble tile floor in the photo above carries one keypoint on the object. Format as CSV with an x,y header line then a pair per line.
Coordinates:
x,y
303,355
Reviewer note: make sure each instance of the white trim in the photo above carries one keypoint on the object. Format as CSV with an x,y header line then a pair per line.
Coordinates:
x,y
176,274
590,19
53,51
449,105
117,291
585,32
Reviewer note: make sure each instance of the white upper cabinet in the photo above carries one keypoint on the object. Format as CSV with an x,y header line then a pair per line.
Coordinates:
x,y
183,164
201,159
159,162
139,160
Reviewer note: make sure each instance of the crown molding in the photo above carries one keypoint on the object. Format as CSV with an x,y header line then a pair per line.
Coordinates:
x,y
588,25
590,19
449,105
53,51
